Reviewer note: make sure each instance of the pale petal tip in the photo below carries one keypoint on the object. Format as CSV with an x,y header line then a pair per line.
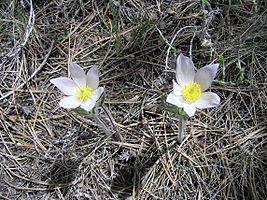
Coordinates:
x,y
214,69
218,100
74,67
56,81
88,105
185,69
94,69
73,64
52,81
190,111
181,55
92,77
102,89
169,99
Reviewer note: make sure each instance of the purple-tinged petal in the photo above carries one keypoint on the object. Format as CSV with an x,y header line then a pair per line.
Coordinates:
x,y
77,74
65,85
213,68
92,77
185,70
205,76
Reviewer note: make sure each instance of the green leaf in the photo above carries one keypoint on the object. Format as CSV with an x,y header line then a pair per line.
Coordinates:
x,y
221,58
81,111
175,110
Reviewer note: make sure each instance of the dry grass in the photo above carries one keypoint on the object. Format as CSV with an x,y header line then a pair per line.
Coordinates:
x,y
51,153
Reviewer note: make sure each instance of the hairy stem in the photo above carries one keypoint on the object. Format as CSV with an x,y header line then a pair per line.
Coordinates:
x,y
101,123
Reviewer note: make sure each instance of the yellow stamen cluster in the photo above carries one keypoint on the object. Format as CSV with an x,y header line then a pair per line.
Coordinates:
x,y
191,91
83,92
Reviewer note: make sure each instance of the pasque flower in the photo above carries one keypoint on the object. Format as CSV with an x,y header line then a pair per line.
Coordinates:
x,y
81,89
188,89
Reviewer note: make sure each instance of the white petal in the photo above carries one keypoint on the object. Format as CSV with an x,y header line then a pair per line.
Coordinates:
x,y
205,75
185,70
70,102
88,104
208,100
177,89
77,74
190,110
97,93
92,77
174,99
65,85
213,68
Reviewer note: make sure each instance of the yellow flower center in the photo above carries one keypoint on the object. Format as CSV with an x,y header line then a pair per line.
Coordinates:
x,y
191,91
83,92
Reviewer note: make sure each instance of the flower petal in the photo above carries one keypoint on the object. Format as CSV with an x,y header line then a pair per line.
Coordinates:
x,y
205,75
97,93
185,70
88,104
92,77
77,74
190,110
65,85
172,98
70,102
177,89
213,68
208,100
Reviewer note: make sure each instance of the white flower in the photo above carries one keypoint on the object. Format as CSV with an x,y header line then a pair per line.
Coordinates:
x,y
81,90
188,92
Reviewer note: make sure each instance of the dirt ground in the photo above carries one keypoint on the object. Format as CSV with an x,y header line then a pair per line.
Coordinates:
x,y
128,149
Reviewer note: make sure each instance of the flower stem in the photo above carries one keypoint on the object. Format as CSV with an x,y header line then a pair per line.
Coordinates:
x,y
99,120
101,124
117,133
181,128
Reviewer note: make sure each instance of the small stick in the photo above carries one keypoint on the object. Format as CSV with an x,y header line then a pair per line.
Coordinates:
x,y
181,129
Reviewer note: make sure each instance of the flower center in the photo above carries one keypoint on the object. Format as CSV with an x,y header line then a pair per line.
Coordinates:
x,y
191,91
83,92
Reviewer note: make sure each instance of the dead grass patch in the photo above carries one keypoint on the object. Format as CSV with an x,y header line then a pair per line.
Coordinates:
x,y
51,153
